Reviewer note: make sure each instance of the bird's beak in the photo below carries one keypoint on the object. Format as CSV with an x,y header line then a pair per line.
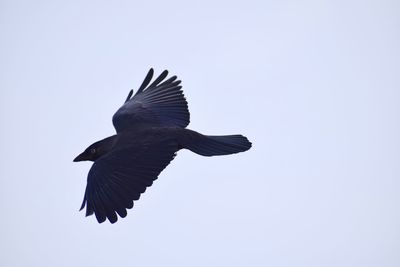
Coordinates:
x,y
80,157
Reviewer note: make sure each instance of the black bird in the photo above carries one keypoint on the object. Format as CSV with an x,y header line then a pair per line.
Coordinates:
x,y
150,130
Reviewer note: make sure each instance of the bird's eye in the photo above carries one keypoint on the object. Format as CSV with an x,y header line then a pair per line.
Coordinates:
x,y
93,150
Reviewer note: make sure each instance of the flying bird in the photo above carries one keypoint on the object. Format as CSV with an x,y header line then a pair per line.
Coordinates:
x,y
151,129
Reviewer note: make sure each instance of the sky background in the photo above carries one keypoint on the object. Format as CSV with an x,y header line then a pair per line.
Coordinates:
x,y
315,85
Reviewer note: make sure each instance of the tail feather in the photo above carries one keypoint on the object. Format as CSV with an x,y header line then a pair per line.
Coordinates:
x,y
208,145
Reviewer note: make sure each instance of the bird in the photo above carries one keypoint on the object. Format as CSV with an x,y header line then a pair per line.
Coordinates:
x,y
150,130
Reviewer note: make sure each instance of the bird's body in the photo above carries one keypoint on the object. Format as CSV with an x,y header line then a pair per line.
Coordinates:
x,y
150,130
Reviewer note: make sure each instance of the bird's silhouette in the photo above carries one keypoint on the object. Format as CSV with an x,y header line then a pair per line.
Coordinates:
x,y
151,128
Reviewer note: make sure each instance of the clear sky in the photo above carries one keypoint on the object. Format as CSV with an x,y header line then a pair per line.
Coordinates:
x,y
315,85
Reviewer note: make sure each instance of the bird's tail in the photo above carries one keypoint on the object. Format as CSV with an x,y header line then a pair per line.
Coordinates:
x,y
209,145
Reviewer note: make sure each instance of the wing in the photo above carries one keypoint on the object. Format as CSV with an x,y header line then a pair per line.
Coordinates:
x,y
120,177
161,103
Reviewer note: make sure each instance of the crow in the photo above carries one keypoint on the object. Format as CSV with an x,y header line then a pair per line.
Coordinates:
x,y
151,129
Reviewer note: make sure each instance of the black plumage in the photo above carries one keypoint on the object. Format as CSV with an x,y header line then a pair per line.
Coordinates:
x,y
151,128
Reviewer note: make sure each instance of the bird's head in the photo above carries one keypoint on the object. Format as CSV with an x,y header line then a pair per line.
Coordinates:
x,y
91,153
96,150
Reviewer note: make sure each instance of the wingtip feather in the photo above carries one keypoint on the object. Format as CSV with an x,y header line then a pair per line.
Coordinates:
x,y
129,95
159,79
146,80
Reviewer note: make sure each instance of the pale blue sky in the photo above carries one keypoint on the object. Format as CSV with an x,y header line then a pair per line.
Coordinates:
x,y
315,86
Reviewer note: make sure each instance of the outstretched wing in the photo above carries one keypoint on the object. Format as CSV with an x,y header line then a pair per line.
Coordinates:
x,y
120,177
161,103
